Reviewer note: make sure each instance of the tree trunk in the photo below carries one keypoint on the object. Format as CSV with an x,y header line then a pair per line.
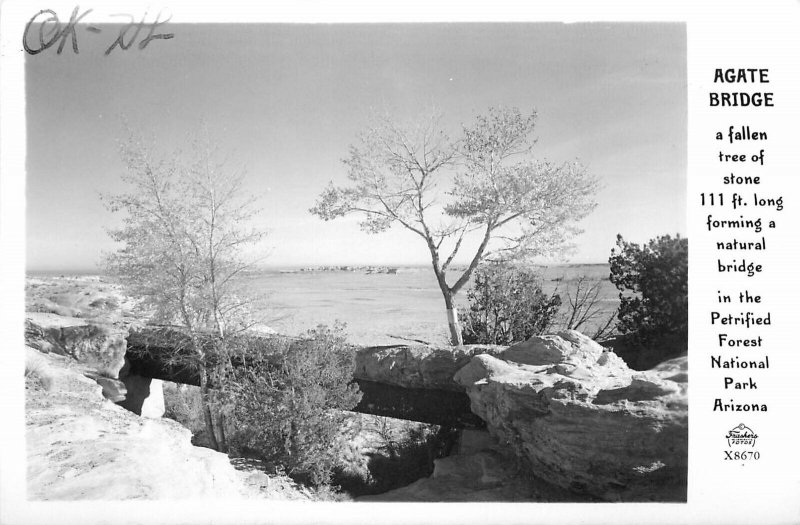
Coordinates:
x,y
223,440
204,392
447,293
219,378
452,320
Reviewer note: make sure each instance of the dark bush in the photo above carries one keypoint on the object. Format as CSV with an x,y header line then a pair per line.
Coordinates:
x,y
653,284
507,305
287,402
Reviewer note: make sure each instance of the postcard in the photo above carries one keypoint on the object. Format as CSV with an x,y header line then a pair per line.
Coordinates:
x,y
341,262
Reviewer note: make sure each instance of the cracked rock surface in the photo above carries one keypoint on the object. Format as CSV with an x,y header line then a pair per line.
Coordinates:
x,y
583,420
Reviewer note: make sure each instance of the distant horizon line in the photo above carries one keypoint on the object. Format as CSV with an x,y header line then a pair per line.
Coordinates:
x,y
96,270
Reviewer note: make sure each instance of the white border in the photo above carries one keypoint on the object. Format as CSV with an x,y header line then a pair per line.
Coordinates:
x,y
720,34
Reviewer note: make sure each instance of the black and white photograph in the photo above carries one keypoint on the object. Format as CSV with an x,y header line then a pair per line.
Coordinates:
x,y
345,263
389,262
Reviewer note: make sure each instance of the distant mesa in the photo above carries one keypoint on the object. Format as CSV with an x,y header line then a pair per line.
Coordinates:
x,y
360,269
366,269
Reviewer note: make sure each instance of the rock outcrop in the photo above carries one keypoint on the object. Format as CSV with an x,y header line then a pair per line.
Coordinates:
x,y
484,476
81,446
577,416
583,420
417,366
489,474
96,344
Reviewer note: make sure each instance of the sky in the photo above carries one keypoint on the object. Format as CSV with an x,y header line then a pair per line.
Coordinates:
x,y
285,101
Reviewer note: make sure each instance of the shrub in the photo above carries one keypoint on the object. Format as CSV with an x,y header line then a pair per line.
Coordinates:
x,y
182,403
507,305
653,284
286,404
411,457
37,372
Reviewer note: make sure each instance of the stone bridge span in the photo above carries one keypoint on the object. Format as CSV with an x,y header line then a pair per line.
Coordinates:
x,y
571,411
413,382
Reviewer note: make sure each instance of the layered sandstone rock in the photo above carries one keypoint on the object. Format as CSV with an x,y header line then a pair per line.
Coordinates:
x,y
583,420
417,366
81,446
96,344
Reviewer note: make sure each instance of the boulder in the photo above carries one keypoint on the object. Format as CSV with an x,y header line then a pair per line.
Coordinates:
x,y
417,366
113,389
583,420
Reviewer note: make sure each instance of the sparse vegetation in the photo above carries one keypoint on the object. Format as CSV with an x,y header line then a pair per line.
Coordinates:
x,y
584,312
653,312
484,184
410,458
653,284
507,305
286,401
182,240
37,373
181,403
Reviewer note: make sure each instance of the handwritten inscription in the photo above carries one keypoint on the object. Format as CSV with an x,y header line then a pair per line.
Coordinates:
x,y
52,31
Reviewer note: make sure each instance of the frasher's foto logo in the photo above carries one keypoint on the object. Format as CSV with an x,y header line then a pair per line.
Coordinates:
x,y
741,435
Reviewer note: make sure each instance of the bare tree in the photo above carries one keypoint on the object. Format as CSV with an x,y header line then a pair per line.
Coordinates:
x,y
510,205
584,310
181,250
381,428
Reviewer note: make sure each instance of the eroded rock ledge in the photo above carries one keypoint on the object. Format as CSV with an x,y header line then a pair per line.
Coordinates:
x,y
82,446
418,366
583,420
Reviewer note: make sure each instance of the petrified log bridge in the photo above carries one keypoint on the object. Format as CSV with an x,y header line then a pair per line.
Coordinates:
x,y
401,381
